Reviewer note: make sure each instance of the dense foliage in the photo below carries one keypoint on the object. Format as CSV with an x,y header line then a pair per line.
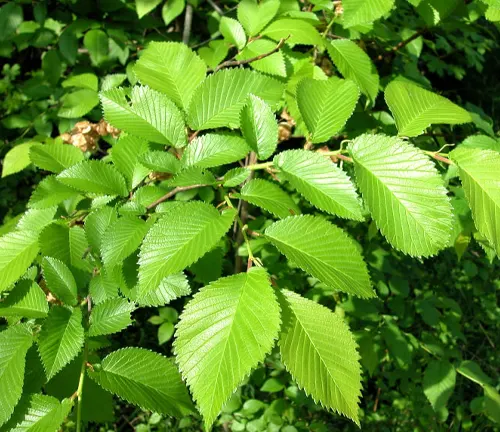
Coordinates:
x,y
273,216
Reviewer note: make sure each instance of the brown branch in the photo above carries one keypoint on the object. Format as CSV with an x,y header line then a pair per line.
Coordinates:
x,y
231,63
343,157
415,35
440,158
172,193
188,19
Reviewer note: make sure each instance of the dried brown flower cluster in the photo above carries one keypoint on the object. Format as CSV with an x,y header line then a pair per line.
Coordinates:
x,y
85,134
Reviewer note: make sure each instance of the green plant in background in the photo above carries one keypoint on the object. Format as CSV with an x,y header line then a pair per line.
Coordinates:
x,y
295,239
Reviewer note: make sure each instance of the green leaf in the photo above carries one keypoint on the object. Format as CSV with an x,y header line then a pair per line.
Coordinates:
x,y
353,63
84,80
121,239
255,16
112,80
399,347
478,170
171,10
439,383
321,182
170,288
319,351
324,251
11,17
192,176
18,249
492,399
300,32
61,338
415,108
146,379
214,53
60,281
78,103
16,159
471,370
97,43
233,32
95,177
50,192
270,197
96,224
26,300
223,333
214,149
151,116
55,157
36,219
171,68
273,64
161,161
42,413
235,177
209,110
14,344
412,211
259,127
178,240
104,286
482,142
165,332
326,106
110,316
143,7
126,156
357,12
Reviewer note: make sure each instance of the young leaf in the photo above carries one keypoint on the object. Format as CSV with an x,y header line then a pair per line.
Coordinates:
x,y
358,12
439,383
353,63
60,281
171,10
235,177
179,239
214,149
55,157
50,192
223,333
171,68
126,156
95,177
233,32
18,249
170,288
324,251
146,379
61,338
42,413
16,159
479,172
26,300
161,161
214,53
319,351
151,116
321,182
326,106
415,108
273,64
413,212
14,344
255,16
259,127
121,239
209,110
111,316
96,224
301,32
270,197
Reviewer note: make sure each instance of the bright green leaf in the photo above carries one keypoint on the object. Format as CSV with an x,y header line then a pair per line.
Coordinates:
x,y
55,157
233,32
110,316
439,383
26,299
301,32
358,12
60,281
255,16
16,159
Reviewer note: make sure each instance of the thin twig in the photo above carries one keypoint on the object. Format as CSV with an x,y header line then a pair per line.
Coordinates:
x,y
345,158
231,63
172,193
414,36
438,157
216,8
188,19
